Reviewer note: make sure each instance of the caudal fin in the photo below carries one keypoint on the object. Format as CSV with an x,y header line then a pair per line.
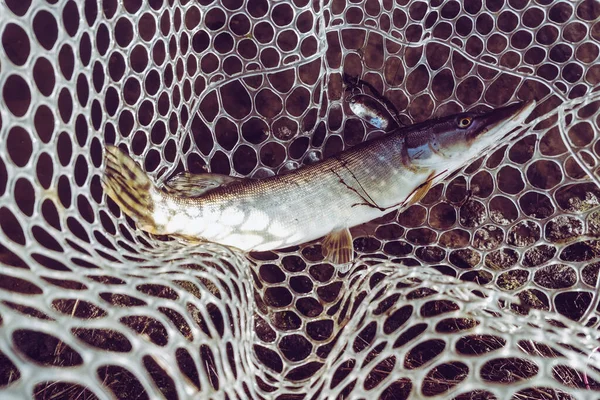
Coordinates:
x,y
129,186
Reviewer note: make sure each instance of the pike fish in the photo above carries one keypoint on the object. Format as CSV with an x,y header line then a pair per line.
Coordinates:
x,y
319,200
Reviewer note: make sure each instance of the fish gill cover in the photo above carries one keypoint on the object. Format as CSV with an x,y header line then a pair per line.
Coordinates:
x,y
487,288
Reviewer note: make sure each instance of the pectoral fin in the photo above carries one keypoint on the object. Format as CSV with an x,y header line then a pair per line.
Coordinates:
x,y
337,247
194,185
420,191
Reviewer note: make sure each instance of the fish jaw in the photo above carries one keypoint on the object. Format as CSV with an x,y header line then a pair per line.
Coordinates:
x,y
495,125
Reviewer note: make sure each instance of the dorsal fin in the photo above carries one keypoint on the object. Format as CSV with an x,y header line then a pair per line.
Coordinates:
x,y
186,184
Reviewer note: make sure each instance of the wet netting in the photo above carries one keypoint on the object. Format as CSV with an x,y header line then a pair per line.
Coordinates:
x,y
485,289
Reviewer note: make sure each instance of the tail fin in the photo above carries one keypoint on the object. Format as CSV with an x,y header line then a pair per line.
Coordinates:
x,y
129,186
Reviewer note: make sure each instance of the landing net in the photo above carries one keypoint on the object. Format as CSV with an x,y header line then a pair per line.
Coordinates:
x,y
492,295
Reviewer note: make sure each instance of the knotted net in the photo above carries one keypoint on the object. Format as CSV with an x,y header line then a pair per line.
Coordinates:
x,y
487,295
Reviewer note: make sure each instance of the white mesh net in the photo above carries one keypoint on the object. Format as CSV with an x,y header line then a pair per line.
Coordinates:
x,y
489,296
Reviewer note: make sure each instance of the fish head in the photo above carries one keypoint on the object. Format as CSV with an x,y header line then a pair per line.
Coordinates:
x,y
459,138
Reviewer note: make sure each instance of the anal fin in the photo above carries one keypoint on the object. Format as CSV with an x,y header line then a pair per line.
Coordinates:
x,y
337,247
186,184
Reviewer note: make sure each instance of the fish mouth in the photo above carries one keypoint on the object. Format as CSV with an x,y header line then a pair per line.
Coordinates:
x,y
516,113
505,119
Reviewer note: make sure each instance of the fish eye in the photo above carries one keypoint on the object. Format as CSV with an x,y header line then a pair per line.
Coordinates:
x,y
464,122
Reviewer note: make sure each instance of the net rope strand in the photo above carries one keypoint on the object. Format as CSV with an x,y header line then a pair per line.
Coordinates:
x,y
492,295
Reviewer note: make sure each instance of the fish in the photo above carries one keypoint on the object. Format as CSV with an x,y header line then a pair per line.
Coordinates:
x,y
321,200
